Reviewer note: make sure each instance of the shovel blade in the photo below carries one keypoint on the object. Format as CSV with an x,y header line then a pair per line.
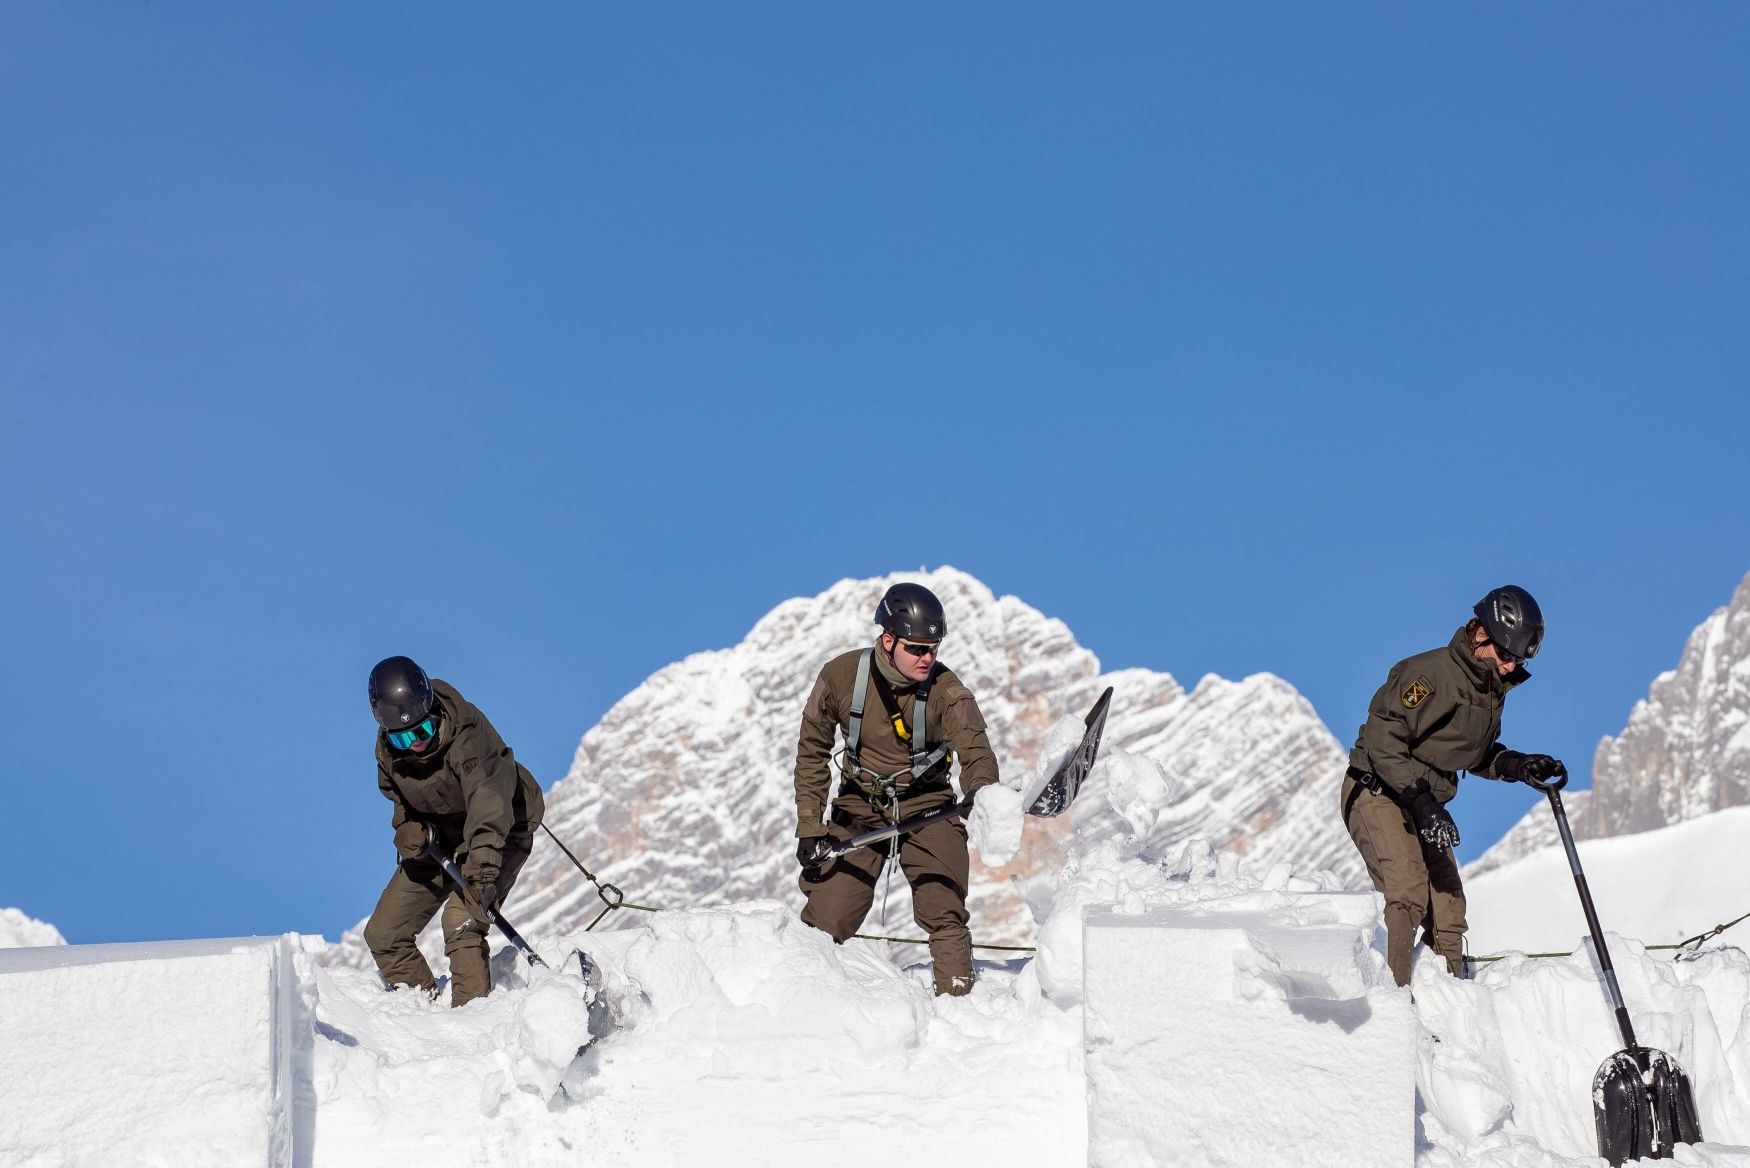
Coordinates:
x,y
1673,1101
1059,791
1643,1106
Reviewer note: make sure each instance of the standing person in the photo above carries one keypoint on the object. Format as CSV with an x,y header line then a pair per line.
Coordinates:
x,y
454,782
905,718
1437,714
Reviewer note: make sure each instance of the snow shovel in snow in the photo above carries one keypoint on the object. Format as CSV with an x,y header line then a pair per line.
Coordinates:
x,y
1642,1102
1049,799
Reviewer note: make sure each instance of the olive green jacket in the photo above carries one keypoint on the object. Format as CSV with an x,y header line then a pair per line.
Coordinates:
x,y
1438,713
469,788
953,718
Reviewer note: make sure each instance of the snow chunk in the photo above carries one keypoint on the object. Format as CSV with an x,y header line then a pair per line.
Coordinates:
x,y
1136,788
18,931
994,828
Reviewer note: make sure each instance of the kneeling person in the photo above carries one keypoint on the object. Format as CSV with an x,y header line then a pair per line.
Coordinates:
x,y
905,719
454,782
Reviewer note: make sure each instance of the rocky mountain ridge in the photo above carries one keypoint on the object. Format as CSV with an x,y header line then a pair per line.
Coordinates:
x,y
682,794
1684,753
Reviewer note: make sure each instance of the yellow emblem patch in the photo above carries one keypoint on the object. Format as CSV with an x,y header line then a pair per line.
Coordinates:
x,y
1417,693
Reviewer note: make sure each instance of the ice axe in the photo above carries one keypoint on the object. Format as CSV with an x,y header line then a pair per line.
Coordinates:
x,y
1642,1102
492,913
1045,801
601,1018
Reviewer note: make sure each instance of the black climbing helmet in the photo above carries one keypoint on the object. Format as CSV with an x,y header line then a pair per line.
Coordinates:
x,y
912,611
400,693
1512,620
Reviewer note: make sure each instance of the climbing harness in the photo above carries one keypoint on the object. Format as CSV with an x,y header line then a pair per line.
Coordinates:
x,y
915,736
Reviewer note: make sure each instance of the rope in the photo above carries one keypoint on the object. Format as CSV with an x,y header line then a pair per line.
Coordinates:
x,y
613,898
926,941
1698,940
611,894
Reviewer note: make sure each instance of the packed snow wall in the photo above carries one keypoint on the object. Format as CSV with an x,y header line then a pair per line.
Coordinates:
x,y
1230,1032
177,1052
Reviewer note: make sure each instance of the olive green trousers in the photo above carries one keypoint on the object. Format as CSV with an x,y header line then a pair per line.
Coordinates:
x,y
414,894
936,865
1419,881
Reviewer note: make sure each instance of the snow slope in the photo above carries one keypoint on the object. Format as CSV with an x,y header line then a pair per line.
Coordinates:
x,y
1659,886
742,1037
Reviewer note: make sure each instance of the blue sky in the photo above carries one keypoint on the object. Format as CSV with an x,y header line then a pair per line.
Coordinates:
x,y
551,346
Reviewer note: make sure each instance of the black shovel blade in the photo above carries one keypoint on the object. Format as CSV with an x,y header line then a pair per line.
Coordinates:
x,y
1673,1101
1060,789
1643,1106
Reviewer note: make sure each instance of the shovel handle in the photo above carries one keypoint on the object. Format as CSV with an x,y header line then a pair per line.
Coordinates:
x,y
1555,784
1552,790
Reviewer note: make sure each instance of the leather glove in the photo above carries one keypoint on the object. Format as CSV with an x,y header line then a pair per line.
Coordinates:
x,y
1531,769
811,852
1432,822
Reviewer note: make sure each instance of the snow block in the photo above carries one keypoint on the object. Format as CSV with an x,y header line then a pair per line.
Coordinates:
x,y
164,1053
1250,1031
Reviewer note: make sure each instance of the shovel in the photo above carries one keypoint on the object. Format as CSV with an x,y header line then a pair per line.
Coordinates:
x,y
1642,1102
1050,799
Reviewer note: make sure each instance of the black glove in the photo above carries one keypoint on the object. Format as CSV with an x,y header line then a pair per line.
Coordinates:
x,y
811,852
1432,822
1531,769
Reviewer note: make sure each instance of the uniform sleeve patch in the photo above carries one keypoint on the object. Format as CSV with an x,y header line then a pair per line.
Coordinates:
x,y
1417,693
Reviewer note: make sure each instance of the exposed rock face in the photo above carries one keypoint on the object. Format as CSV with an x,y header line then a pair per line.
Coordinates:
x,y
1684,753
682,793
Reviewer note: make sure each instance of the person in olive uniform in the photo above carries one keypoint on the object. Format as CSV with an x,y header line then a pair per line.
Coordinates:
x,y
1437,714
914,718
455,784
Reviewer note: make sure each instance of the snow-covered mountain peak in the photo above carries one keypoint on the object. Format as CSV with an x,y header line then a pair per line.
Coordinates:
x,y
682,793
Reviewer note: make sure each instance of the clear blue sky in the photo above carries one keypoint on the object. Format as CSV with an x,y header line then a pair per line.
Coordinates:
x,y
549,346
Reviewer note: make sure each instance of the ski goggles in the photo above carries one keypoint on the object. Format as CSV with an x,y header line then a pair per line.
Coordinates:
x,y
424,731
923,650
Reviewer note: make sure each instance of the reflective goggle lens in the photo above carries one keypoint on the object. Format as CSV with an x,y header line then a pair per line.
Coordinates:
x,y
919,650
402,739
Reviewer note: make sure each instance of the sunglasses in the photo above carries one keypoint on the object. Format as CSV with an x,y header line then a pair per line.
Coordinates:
x,y
423,732
920,650
1502,653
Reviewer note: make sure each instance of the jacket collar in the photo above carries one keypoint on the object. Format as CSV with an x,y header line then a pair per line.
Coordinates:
x,y
1480,671
889,671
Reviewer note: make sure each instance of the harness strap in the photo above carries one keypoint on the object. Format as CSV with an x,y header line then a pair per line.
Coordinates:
x,y
924,760
916,737
859,689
